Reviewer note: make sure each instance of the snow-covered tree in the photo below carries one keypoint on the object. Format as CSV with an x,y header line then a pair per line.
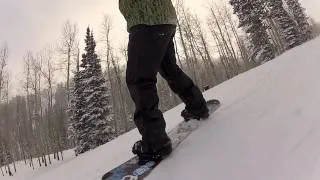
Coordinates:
x,y
77,111
91,102
76,105
301,18
288,28
249,13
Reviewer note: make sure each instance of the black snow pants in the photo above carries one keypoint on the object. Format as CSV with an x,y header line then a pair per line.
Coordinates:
x,y
151,50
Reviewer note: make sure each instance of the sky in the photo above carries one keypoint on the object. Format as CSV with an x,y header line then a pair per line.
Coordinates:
x,y
33,24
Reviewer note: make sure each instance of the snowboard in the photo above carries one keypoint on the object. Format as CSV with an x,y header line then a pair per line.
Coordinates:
x,y
131,170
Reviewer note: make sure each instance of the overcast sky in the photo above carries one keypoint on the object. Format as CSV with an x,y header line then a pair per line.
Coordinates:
x,y
31,24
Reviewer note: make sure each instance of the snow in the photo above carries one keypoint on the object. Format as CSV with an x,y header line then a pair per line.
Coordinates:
x,y
25,172
266,129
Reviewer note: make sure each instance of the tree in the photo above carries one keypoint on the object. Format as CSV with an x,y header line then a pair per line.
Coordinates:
x,y
76,108
91,127
4,54
249,13
60,116
301,18
68,46
29,106
180,24
288,28
47,71
119,109
222,36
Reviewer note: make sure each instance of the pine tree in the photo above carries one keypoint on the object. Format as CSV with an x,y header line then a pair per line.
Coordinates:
x,y
91,101
76,109
249,13
301,18
288,28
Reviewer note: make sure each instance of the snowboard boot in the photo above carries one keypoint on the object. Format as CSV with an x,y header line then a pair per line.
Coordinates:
x,y
147,154
188,115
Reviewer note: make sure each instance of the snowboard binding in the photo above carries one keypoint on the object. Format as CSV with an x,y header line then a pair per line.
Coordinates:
x,y
146,154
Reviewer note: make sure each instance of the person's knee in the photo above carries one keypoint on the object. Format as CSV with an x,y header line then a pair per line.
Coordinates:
x,y
141,83
146,83
170,72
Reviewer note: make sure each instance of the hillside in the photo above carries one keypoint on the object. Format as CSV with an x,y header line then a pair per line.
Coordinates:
x,y
268,128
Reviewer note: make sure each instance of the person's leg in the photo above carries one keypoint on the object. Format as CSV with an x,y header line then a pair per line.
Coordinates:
x,y
181,84
146,49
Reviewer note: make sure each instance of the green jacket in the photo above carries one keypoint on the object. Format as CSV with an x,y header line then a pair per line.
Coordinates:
x,y
148,12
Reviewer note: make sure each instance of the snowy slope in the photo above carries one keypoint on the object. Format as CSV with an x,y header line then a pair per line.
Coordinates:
x,y
268,128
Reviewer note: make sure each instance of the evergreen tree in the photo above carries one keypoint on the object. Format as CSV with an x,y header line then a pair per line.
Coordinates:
x,y
249,13
76,108
288,28
301,18
91,102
